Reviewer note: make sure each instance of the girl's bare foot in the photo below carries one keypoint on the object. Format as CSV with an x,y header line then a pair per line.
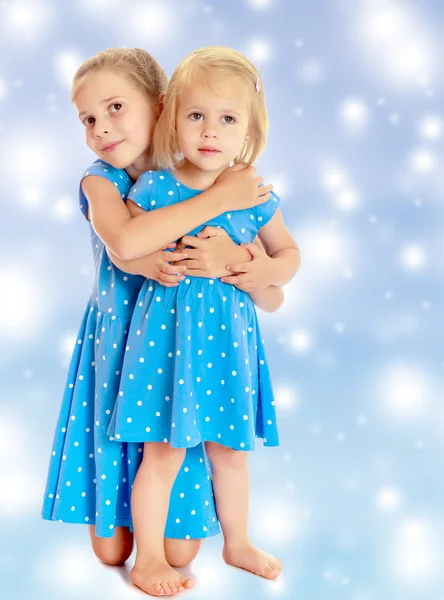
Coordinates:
x,y
157,578
252,559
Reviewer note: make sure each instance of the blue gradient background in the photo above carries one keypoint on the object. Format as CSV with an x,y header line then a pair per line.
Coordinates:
x,y
352,500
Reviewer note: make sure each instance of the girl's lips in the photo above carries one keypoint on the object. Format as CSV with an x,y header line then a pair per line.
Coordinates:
x,y
209,150
111,147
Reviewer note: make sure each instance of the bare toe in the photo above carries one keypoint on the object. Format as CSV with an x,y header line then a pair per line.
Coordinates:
x,y
187,583
253,559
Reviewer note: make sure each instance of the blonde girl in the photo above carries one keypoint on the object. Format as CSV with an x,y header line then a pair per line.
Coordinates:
x,y
196,370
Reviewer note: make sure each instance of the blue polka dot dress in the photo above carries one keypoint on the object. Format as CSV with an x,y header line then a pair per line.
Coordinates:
x,y
91,473
195,368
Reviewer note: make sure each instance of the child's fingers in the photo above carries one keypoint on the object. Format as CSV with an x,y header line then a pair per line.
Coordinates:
x,y
166,284
190,240
174,256
172,245
170,278
172,269
240,268
193,254
236,279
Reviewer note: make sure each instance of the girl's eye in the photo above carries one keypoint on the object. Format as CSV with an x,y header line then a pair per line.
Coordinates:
x,y
88,121
196,116
228,119
115,107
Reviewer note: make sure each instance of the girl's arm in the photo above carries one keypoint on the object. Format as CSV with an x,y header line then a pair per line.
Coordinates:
x,y
276,263
270,299
129,238
282,249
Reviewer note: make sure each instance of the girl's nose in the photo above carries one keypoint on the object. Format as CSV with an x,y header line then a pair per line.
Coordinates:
x,y
209,133
101,129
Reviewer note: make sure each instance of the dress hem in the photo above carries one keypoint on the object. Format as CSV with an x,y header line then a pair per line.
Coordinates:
x,y
184,443
211,531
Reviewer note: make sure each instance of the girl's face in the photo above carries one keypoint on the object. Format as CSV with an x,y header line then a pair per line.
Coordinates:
x,y
212,123
118,118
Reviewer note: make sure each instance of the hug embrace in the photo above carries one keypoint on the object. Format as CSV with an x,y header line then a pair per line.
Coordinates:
x,y
169,385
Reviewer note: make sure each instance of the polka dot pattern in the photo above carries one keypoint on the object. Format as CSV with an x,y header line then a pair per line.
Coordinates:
x,y
201,347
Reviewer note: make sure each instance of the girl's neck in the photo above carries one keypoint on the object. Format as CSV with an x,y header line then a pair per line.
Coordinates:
x,y
140,165
195,178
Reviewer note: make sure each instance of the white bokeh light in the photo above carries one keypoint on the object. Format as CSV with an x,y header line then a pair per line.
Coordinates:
x,y
388,499
155,22
416,555
348,200
67,344
63,209
325,249
24,303
287,397
405,391
210,577
431,127
278,523
333,177
259,50
354,114
302,341
261,4
413,257
66,64
30,198
22,491
423,161
38,152
27,18
396,41
280,184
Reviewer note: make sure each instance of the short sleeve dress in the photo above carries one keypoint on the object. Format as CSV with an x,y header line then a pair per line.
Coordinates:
x,y
90,473
195,368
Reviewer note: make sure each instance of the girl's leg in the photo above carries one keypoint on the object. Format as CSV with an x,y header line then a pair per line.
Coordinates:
x,y
112,551
149,502
231,483
180,553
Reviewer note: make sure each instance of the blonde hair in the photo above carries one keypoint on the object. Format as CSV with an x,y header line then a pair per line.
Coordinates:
x,y
200,67
134,63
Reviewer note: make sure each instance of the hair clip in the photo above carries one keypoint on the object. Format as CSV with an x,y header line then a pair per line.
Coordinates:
x,y
258,84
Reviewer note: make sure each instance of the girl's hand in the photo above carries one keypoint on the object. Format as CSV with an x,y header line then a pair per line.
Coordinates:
x,y
254,275
156,266
240,186
209,252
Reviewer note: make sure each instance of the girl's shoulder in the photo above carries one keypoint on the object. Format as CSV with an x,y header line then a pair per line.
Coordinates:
x,y
151,179
107,171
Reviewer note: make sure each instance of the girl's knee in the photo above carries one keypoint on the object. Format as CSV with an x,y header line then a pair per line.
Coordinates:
x,y
162,455
222,455
113,551
179,553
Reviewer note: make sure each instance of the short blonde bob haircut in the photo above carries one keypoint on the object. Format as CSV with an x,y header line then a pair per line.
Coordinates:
x,y
203,66
136,64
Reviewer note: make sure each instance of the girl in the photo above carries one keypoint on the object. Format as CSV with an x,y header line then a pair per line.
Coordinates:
x,y
118,95
195,369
